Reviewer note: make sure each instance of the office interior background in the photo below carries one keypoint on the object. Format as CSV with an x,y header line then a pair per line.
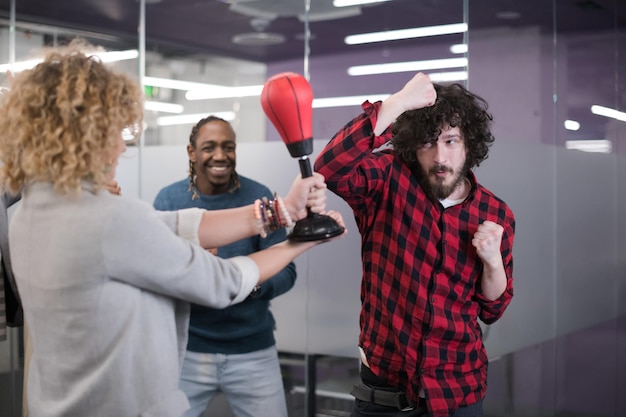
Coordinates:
x,y
554,75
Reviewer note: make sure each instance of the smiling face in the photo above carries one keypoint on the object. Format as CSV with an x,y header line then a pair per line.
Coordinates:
x,y
214,156
443,164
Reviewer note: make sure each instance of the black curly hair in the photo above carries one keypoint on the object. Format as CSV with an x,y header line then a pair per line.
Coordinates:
x,y
455,106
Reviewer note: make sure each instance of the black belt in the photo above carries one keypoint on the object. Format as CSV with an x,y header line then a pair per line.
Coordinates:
x,y
381,397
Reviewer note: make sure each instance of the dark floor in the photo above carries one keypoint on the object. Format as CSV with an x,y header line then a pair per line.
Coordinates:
x,y
525,393
10,383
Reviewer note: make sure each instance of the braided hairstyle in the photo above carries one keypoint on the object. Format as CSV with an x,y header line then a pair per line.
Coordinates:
x,y
192,166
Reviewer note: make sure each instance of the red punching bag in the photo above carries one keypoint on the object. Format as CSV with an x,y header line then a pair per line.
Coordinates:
x,y
287,100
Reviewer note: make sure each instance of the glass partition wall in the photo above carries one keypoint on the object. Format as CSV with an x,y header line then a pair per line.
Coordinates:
x,y
22,44
553,74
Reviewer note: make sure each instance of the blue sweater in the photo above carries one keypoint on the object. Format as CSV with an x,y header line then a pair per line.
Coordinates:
x,y
248,326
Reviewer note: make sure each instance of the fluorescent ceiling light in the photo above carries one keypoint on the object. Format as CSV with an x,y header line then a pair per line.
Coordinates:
x,y
114,56
163,107
111,56
345,3
19,66
571,125
178,85
224,92
600,146
444,77
319,103
203,91
407,66
608,112
192,119
459,48
392,35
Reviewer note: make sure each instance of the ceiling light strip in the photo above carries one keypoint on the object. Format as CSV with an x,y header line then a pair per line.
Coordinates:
x,y
444,77
599,146
357,100
110,56
320,103
571,125
608,112
114,56
459,48
224,92
179,85
347,3
407,66
192,118
163,107
392,35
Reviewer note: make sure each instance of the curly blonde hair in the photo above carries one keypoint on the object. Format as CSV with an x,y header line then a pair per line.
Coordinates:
x,y
61,121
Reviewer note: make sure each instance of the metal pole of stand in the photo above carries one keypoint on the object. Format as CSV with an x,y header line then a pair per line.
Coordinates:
x,y
311,385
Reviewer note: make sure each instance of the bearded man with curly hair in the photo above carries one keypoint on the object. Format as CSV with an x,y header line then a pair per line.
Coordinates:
x,y
436,248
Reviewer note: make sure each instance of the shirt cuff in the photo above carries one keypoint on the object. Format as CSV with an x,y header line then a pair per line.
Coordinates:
x,y
371,112
189,223
249,276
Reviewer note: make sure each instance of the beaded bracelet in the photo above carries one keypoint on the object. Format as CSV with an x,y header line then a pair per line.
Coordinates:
x,y
271,215
284,214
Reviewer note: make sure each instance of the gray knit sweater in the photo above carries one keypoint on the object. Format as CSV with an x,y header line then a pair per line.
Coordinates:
x,y
101,279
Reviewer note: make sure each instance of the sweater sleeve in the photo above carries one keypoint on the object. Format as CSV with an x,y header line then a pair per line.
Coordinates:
x,y
141,248
282,281
188,224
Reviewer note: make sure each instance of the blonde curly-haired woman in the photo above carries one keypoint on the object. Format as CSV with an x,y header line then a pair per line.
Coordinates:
x,y
105,280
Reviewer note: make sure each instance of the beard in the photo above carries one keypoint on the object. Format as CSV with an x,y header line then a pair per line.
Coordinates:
x,y
437,189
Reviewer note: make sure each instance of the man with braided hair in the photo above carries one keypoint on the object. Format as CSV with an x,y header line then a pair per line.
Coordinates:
x,y
231,350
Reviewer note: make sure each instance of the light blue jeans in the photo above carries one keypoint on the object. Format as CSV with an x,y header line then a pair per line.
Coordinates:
x,y
251,382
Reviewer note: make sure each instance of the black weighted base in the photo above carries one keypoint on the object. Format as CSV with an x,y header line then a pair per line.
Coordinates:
x,y
315,227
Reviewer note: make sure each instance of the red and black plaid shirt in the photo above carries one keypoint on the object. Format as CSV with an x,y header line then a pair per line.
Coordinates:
x,y
421,295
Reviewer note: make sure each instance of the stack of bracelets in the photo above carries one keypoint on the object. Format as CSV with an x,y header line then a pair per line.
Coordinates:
x,y
271,214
